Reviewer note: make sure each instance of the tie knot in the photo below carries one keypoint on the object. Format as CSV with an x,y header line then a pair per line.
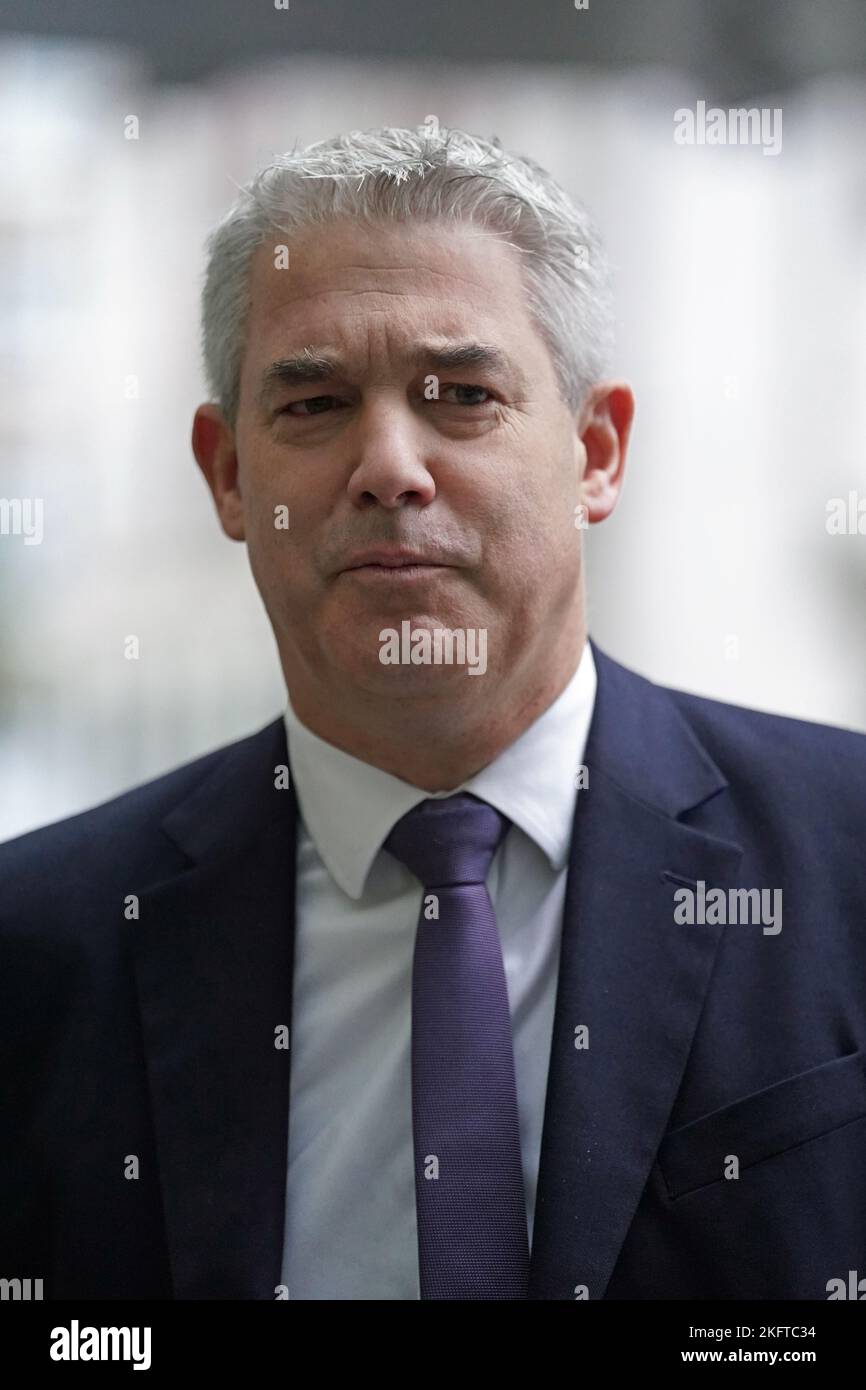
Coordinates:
x,y
449,840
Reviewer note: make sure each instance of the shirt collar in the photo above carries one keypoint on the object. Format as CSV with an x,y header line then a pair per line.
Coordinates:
x,y
350,807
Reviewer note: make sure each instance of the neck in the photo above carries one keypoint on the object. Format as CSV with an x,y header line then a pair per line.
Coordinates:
x,y
431,742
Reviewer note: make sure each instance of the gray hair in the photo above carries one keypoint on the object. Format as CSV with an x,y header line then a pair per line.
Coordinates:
x,y
427,174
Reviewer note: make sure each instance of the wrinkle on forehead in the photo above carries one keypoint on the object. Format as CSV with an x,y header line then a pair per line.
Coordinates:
x,y
415,270
413,289
318,263
468,292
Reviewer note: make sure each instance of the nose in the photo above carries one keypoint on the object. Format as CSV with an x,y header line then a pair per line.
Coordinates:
x,y
390,469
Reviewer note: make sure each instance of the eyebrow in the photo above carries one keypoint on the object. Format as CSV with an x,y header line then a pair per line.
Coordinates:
x,y
320,364
451,356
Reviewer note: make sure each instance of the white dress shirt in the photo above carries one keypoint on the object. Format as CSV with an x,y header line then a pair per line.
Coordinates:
x,y
350,1229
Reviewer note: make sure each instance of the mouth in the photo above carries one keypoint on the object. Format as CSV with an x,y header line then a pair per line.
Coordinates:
x,y
395,574
394,563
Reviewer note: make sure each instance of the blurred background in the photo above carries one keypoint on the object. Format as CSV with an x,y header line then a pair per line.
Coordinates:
x,y
740,279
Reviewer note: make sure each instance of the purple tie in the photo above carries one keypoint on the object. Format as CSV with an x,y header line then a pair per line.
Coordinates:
x,y
471,1208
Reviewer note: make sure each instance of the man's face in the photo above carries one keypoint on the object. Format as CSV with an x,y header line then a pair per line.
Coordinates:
x,y
477,471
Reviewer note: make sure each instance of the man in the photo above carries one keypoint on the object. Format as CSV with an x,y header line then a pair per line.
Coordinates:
x,y
492,970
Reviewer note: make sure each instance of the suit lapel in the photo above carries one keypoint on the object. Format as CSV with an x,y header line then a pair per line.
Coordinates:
x,y
627,972
213,960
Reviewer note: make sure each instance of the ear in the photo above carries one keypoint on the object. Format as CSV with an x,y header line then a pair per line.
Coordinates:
x,y
604,425
213,443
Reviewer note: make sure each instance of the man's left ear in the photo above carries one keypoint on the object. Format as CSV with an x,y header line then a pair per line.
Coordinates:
x,y
604,425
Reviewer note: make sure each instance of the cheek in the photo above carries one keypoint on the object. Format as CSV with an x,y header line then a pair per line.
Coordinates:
x,y
534,549
273,509
265,484
556,516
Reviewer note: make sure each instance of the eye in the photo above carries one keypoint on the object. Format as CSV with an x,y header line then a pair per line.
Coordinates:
x,y
461,388
314,405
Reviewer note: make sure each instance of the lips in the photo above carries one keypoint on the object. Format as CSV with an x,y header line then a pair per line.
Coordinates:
x,y
393,559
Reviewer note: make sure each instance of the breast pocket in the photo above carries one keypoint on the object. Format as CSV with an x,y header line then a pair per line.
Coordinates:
x,y
766,1123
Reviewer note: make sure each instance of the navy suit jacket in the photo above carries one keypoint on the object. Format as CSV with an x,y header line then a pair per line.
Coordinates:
x,y
147,1046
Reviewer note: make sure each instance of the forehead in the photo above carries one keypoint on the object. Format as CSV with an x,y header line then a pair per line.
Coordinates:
x,y
346,280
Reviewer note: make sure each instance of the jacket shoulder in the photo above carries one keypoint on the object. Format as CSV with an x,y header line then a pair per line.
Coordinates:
x,y
807,780
118,828
766,738
774,755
